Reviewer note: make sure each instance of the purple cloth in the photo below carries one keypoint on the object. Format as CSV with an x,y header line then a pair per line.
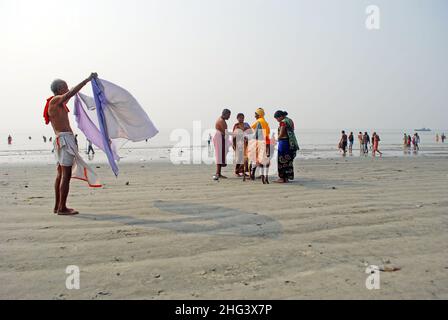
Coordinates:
x,y
88,127
117,116
100,101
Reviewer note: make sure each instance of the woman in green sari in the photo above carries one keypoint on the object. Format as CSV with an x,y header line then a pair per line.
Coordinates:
x,y
287,147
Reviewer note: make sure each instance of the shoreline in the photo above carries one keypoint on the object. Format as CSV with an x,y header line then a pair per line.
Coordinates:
x,y
162,155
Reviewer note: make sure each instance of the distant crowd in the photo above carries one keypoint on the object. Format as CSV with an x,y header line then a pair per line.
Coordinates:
x,y
411,142
346,143
371,143
441,137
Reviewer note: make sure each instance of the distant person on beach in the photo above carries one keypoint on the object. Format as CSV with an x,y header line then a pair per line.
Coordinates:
x,y
9,140
44,138
220,141
366,142
351,141
373,142
51,140
90,148
376,142
443,137
287,147
343,143
240,146
209,141
66,150
29,138
260,147
407,143
437,138
416,142
361,142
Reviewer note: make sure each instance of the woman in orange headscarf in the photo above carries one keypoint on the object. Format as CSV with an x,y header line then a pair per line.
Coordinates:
x,y
259,150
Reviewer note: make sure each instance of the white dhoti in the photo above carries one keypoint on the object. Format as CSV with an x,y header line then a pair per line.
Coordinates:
x,y
222,145
67,155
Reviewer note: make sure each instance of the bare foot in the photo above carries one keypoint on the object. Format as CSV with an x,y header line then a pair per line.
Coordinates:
x,y
281,181
67,212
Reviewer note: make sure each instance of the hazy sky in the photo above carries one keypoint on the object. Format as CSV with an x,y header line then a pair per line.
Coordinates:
x,y
186,60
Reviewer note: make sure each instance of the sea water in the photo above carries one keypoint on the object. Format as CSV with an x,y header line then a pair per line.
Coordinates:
x,y
314,144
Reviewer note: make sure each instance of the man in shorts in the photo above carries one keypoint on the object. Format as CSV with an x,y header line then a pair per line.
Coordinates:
x,y
66,149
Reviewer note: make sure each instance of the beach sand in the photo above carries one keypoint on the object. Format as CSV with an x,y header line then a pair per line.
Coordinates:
x,y
173,233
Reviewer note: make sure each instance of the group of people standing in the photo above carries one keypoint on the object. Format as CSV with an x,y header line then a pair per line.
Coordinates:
x,y
254,146
442,137
44,138
364,140
411,142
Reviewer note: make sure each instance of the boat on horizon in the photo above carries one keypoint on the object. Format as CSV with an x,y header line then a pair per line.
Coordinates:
x,y
423,130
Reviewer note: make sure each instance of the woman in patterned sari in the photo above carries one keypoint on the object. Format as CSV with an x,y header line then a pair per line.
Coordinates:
x,y
287,147
240,146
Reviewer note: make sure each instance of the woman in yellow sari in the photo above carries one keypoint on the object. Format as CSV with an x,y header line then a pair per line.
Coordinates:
x,y
260,146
